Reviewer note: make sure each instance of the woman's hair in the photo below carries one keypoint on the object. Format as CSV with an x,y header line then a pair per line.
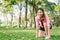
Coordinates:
x,y
42,11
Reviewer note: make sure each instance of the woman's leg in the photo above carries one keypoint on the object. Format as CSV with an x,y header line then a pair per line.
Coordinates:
x,y
37,33
47,31
41,33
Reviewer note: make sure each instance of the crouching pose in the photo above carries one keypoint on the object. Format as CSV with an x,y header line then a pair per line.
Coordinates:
x,y
42,24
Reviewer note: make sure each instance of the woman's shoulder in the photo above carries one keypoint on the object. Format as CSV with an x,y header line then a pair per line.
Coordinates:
x,y
36,17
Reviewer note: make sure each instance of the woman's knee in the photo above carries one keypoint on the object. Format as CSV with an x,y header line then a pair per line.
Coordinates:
x,y
41,33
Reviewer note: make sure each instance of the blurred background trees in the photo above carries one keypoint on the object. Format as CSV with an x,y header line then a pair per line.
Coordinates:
x,y
21,13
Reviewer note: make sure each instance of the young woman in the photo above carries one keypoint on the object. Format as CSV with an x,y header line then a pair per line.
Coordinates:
x,y
42,24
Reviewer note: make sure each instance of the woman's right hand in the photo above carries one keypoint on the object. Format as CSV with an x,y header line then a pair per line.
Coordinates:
x,y
36,33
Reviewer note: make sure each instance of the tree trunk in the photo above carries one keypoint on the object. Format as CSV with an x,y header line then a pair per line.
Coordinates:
x,y
11,19
20,19
34,11
30,17
7,20
26,14
20,8
20,16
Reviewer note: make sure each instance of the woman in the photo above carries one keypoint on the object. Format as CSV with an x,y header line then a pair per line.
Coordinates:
x,y
42,24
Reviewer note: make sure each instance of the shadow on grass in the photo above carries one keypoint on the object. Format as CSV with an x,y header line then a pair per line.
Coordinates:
x,y
55,37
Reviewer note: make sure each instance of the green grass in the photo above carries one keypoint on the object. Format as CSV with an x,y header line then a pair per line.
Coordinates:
x,y
15,28
26,34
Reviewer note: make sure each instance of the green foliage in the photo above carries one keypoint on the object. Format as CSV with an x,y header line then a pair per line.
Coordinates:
x,y
7,4
30,3
57,8
39,3
11,2
50,6
6,9
57,20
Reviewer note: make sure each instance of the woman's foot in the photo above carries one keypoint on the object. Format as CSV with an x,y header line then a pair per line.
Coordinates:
x,y
47,37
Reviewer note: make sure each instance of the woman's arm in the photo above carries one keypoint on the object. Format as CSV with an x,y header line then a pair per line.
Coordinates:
x,y
47,21
36,20
48,25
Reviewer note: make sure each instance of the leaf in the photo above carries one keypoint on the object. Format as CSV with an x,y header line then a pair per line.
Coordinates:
x,y
57,8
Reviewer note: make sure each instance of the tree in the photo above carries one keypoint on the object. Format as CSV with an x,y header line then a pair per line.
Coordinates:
x,y
7,4
32,3
26,1
20,7
6,8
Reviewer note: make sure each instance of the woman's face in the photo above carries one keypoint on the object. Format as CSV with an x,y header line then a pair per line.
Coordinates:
x,y
40,13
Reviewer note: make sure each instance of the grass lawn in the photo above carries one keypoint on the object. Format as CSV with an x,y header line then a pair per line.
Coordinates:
x,y
26,34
